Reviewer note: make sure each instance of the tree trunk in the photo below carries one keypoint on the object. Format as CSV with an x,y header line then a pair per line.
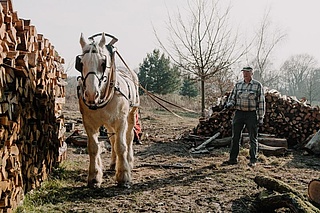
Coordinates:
x,y
288,197
289,200
268,140
203,106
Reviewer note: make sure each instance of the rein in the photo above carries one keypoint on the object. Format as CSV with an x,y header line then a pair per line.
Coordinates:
x,y
153,96
103,77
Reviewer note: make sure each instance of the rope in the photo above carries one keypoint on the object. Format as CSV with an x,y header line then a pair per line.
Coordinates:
x,y
153,96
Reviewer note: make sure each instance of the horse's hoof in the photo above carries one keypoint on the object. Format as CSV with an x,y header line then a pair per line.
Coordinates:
x,y
126,185
94,184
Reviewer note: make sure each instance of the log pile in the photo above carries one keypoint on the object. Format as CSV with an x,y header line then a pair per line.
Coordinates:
x,y
32,88
286,117
268,144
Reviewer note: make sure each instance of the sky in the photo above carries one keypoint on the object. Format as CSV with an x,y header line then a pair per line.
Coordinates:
x,y
133,21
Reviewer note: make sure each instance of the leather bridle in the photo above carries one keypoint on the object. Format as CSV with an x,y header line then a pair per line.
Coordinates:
x,y
107,77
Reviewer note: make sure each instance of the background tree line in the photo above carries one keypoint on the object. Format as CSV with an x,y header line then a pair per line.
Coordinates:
x,y
158,75
204,55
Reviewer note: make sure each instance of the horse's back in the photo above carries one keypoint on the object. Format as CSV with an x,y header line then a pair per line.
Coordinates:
x,y
129,85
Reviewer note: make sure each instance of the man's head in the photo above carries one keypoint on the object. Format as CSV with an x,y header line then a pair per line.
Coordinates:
x,y
247,74
248,69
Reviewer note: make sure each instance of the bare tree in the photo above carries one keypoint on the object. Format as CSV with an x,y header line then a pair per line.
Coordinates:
x,y
296,74
312,84
265,42
204,43
217,86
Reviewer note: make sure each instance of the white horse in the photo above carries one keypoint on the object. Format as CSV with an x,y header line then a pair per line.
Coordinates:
x,y
107,97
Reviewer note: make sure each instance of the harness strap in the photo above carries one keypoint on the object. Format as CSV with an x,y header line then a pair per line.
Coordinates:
x,y
118,89
124,95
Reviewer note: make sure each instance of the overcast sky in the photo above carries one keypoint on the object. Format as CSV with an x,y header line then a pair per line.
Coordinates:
x,y
132,21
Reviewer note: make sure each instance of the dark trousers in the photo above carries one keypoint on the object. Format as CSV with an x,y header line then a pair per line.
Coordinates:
x,y
241,120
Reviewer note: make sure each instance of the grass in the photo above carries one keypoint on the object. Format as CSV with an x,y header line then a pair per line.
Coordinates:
x,y
45,197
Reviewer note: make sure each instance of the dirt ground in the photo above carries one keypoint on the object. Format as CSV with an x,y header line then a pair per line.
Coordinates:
x,y
167,178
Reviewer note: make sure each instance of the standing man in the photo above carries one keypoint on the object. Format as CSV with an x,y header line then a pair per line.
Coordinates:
x,y
247,98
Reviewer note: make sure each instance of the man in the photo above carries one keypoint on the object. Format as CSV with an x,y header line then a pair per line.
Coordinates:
x,y
247,98
137,131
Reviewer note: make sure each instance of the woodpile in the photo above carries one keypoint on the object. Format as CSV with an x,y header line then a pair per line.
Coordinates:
x,y
32,91
286,117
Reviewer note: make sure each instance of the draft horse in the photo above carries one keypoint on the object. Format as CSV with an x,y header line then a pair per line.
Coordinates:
x,y
107,97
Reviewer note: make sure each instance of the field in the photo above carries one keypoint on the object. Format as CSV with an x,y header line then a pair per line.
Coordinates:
x,y
166,177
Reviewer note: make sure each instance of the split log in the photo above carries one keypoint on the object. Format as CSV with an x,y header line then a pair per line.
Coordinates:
x,y
203,145
220,142
313,145
288,197
295,204
275,185
267,140
201,151
166,166
314,191
272,151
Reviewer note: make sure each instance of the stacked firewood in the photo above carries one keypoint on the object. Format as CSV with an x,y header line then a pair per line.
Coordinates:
x,y
32,91
286,117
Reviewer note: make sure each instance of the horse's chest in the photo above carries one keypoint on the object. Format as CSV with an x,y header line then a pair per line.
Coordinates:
x,y
109,112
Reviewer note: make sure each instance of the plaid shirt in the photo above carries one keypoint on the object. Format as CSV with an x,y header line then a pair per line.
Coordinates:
x,y
248,97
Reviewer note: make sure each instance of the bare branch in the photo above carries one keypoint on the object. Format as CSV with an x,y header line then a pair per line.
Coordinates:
x,y
203,44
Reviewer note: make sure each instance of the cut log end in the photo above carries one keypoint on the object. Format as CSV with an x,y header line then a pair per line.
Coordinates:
x,y
314,191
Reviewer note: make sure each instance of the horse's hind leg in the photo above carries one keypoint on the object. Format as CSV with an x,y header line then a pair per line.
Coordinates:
x,y
113,153
95,166
130,135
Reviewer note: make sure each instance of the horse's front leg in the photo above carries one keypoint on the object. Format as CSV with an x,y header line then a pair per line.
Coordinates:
x,y
123,168
95,166
130,134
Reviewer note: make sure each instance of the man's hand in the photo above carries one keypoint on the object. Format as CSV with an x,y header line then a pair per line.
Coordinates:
x,y
260,122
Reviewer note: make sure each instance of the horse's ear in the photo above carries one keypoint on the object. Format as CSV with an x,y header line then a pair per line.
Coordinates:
x,y
102,41
82,40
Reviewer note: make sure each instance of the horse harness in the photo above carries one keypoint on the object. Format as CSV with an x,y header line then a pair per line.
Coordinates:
x,y
112,84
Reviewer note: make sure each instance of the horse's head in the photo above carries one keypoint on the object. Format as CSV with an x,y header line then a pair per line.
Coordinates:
x,y
95,65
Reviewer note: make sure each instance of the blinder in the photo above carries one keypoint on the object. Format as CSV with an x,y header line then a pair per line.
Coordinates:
x,y
79,64
104,64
